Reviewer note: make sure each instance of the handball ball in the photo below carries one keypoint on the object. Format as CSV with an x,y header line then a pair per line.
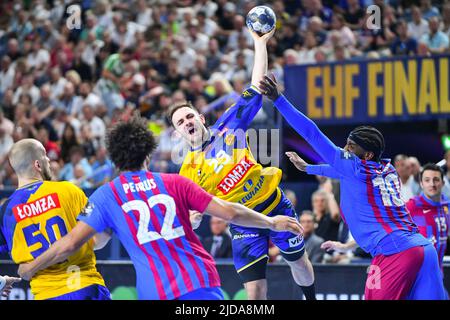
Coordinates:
x,y
261,19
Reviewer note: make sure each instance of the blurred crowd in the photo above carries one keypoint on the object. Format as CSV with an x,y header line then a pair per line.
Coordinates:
x,y
64,83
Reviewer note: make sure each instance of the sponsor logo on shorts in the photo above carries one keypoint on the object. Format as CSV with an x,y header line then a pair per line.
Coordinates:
x,y
294,242
243,236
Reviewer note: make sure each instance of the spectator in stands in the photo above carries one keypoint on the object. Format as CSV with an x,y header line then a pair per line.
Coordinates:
x,y
418,26
436,41
445,24
76,157
327,215
354,14
68,140
408,186
7,74
446,188
219,244
428,11
312,241
110,84
102,168
403,44
69,101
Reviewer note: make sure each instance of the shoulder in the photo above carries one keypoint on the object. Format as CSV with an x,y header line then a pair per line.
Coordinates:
x,y
63,186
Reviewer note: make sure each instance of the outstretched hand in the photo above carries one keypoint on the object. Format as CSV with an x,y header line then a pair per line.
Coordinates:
x,y
269,87
10,281
263,37
285,223
298,162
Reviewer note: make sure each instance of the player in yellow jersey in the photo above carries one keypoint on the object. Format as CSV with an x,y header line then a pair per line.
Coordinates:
x,y
220,161
37,214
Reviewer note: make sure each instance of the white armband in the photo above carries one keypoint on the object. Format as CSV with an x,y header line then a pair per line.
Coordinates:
x,y
2,283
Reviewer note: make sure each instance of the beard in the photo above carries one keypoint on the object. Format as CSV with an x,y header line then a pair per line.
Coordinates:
x,y
46,173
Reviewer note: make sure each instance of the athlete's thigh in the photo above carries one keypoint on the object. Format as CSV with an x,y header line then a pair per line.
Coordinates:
x,y
291,245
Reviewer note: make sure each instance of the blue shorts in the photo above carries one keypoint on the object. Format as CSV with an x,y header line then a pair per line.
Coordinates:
x,y
203,294
93,292
251,245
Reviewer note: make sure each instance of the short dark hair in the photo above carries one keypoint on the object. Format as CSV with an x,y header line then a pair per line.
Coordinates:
x,y
370,139
173,108
432,167
129,143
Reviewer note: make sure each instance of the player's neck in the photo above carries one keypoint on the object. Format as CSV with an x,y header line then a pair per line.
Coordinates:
x,y
436,198
24,181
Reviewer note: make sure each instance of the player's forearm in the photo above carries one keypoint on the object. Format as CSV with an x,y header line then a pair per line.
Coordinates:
x,y
307,129
246,217
238,214
324,170
351,245
259,62
58,252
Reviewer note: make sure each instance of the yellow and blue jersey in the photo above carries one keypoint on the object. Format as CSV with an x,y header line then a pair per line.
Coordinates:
x,y
224,165
34,217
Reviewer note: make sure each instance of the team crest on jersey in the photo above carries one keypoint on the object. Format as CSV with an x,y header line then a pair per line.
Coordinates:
x,y
247,94
229,139
346,155
87,210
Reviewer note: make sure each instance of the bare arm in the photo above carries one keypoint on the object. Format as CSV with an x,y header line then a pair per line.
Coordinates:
x,y
59,251
240,215
260,59
339,246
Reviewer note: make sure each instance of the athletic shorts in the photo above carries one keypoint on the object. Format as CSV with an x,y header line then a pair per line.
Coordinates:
x,y
413,274
93,292
213,293
251,245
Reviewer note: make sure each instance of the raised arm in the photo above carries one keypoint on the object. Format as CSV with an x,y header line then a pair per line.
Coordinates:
x,y
260,60
304,126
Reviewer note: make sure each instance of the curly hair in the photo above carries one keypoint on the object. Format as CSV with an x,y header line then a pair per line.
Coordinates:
x,y
129,143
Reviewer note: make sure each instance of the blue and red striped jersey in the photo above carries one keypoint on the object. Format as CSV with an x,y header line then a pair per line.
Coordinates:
x,y
149,212
370,191
433,220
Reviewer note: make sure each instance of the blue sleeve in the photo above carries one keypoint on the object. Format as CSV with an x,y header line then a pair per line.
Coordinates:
x,y
95,211
241,114
324,170
343,162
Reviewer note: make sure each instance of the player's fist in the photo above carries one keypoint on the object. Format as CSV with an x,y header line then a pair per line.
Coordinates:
x,y
269,87
298,162
9,283
24,271
196,218
284,223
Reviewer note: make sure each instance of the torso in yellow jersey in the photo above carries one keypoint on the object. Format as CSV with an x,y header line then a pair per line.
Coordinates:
x,y
224,165
36,216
